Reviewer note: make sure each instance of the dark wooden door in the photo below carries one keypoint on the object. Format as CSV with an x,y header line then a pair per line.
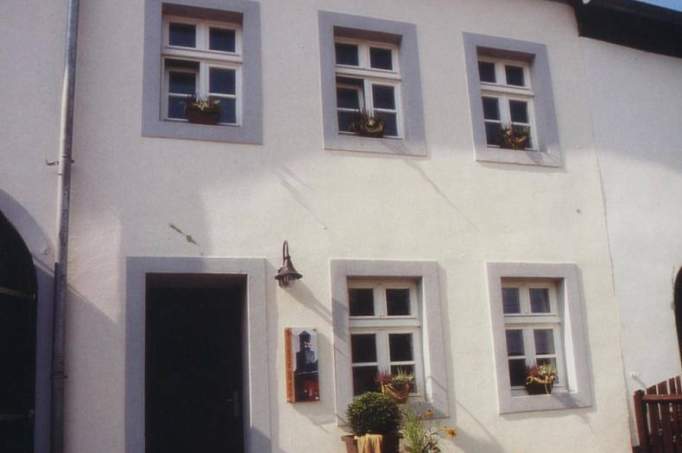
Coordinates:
x,y
17,342
194,370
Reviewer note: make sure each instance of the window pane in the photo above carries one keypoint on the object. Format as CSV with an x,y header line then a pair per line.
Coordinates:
x,y
491,108
515,343
400,345
384,97
519,111
176,107
222,81
182,83
380,58
222,39
515,76
228,110
390,123
544,341
492,133
361,301
517,372
365,379
510,300
347,54
486,71
539,300
363,348
184,35
407,369
398,302
346,120
348,98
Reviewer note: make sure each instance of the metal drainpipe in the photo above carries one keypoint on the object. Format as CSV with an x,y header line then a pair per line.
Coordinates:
x,y
63,213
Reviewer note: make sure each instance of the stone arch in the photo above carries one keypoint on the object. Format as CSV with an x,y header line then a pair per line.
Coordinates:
x,y
39,255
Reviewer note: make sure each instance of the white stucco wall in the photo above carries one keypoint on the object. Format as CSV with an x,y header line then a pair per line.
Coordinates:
x,y
31,55
636,103
243,200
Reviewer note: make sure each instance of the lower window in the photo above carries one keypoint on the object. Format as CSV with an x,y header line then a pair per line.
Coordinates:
x,y
385,329
532,329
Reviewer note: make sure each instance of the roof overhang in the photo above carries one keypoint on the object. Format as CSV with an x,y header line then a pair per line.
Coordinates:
x,y
631,23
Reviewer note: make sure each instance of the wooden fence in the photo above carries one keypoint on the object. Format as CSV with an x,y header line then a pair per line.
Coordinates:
x,y
658,413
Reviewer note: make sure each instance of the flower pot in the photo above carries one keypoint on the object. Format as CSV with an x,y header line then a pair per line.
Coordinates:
x,y
390,443
537,388
197,116
369,127
399,393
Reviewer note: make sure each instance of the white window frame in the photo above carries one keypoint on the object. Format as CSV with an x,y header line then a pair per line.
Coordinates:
x,y
576,389
372,76
528,322
425,274
382,325
505,93
206,58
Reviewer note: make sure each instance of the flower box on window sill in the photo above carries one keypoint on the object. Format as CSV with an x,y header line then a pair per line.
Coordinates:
x,y
197,116
536,388
368,126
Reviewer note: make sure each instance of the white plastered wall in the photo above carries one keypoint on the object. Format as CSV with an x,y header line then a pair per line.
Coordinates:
x,y
636,100
242,200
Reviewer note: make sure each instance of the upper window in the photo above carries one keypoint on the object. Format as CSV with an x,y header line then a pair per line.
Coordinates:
x,y
512,105
202,71
385,332
371,85
367,88
507,100
201,61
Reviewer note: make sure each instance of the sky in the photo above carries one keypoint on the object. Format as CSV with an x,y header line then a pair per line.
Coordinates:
x,y
672,4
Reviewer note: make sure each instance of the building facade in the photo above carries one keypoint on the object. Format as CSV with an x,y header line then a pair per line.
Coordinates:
x,y
435,249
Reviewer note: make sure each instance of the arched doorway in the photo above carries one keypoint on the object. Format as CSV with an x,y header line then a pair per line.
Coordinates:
x,y
18,304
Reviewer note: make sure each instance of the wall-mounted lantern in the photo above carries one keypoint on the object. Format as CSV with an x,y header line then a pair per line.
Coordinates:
x,y
287,273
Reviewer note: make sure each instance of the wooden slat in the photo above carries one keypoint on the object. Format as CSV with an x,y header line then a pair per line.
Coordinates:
x,y
662,398
665,419
640,419
656,445
675,414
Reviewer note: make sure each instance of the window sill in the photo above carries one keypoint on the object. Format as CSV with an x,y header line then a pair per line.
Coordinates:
x,y
551,158
558,400
178,129
384,145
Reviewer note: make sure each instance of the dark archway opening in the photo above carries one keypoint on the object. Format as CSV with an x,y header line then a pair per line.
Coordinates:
x,y
18,306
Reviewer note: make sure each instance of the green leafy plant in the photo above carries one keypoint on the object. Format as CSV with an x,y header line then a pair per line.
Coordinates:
x,y
373,413
420,435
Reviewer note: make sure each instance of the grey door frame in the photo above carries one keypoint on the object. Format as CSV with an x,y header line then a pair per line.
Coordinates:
x,y
256,385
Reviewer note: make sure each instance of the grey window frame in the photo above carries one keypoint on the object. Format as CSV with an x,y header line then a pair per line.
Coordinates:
x,y
426,274
250,130
413,140
578,391
549,150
